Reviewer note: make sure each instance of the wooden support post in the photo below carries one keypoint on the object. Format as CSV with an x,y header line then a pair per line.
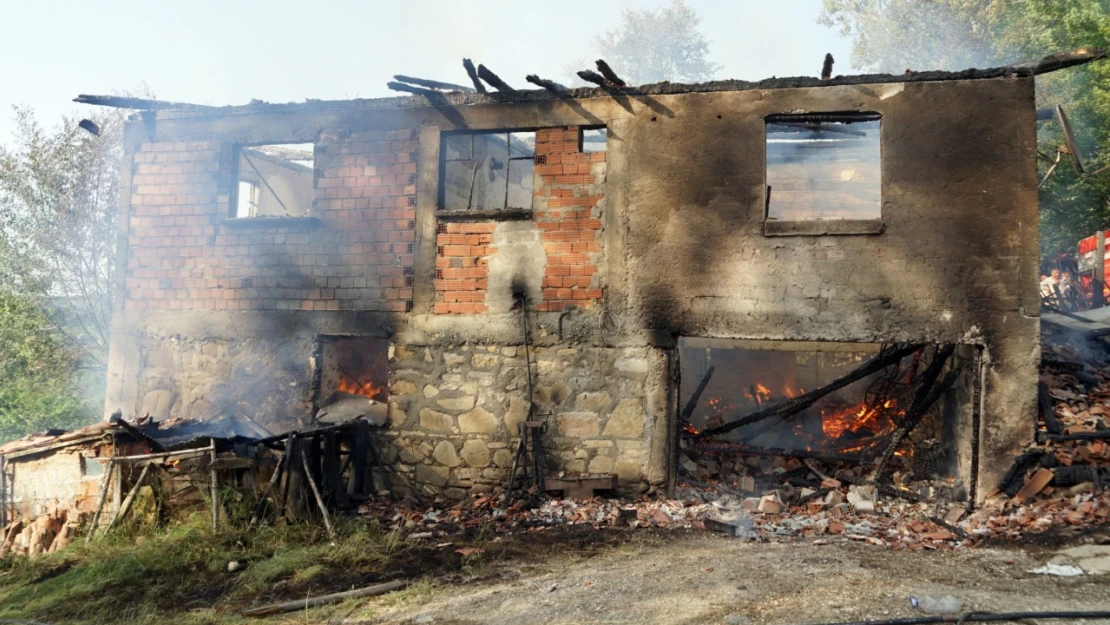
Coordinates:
x,y
274,479
215,489
126,505
1099,281
316,492
104,481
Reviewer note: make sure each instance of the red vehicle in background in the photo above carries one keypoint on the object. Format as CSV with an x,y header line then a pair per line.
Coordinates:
x,y
1082,267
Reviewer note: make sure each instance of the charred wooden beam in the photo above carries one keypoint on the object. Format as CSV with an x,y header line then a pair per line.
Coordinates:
x,y
431,84
143,104
827,67
928,392
493,79
473,73
550,85
1098,435
718,447
1048,410
274,479
431,94
1062,60
609,74
1070,476
693,403
1014,478
801,402
304,604
591,76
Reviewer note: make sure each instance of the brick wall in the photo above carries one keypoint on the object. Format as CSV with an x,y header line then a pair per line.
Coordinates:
x,y
565,209
360,257
462,251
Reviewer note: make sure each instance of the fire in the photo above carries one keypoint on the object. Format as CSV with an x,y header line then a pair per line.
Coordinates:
x,y
876,419
690,429
347,385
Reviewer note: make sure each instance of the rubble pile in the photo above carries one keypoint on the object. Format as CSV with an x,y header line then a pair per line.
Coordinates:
x,y
783,498
46,534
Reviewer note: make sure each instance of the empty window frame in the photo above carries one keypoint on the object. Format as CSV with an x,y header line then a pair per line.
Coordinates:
x,y
594,140
487,171
274,181
823,166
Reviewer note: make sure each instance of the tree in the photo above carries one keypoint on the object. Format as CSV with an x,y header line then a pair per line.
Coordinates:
x,y
59,191
654,45
37,386
895,35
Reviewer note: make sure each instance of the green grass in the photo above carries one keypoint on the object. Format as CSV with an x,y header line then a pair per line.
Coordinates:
x,y
139,578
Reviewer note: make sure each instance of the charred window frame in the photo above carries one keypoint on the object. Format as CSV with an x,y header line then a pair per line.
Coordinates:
x,y
271,183
823,174
487,174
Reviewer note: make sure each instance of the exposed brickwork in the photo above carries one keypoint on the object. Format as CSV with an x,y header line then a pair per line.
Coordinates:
x,y
566,211
462,251
181,257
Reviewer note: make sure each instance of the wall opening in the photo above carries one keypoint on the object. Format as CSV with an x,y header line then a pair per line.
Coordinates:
x,y
274,181
487,171
857,421
353,378
823,167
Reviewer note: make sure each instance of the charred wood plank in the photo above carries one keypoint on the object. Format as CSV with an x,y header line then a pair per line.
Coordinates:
x,y
927,393
333,486
719,447
431,94
1098,435
468,65
801,402
104,481
1048,410
609,74
550,85
316,493
591,76
1014,478
1070,476
827,67
493,79
1062,60
274,480
692,405
133,103
431,84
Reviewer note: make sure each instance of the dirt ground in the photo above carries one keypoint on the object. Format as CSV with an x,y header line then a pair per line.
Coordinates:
x,y
695,577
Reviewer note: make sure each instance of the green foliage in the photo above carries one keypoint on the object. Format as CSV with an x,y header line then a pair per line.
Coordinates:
x,y
656,45
59,198
895,35
36,373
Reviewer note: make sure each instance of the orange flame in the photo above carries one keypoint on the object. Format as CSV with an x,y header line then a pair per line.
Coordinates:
x,y
367,389
877,419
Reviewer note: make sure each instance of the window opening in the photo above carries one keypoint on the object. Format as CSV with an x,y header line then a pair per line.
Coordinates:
x,y
488,171
823,167
274,181
594,140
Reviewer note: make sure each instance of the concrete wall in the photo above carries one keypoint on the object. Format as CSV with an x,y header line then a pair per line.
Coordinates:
x,y
676,241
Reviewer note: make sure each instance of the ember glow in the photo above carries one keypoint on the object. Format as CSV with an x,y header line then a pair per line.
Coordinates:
x,y
876,420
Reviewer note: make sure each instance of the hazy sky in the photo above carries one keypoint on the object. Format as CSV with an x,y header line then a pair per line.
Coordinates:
x,y
230,51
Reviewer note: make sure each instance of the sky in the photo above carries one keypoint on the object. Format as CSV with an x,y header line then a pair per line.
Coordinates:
x,y
220,52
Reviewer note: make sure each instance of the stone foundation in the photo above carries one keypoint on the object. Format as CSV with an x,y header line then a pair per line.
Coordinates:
x,y
455,410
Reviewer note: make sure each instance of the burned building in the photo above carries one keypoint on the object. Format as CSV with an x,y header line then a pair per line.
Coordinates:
x,y
590,254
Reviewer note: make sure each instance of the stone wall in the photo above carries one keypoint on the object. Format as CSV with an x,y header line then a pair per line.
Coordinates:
x,y
454,413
